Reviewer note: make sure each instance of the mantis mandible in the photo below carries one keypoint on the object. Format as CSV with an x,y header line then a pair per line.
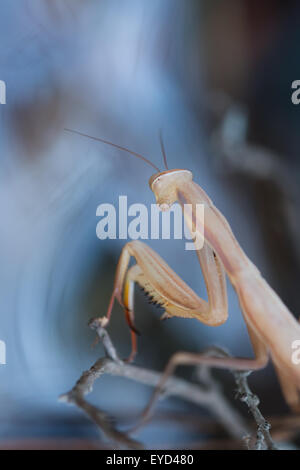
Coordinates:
x,y
271,326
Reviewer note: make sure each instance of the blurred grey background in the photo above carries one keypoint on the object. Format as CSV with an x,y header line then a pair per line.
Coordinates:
x,y
216,77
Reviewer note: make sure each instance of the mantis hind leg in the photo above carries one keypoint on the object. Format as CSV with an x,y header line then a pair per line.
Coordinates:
x,y
220,360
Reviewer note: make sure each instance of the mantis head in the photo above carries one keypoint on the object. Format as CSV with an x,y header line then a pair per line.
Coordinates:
x,y
165,184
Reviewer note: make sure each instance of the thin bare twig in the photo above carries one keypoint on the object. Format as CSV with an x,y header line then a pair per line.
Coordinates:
x,y
84,386
263,438
211,397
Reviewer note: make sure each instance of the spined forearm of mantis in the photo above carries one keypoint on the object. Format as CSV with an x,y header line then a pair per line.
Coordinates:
x,y
271,326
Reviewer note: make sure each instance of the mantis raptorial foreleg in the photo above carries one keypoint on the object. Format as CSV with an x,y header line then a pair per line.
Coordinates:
x,y
167,289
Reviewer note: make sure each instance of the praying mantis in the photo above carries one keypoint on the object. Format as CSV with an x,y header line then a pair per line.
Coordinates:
x,y
272,328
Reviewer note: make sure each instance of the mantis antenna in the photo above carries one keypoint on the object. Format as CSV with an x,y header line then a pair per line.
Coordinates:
x,y
163,149
116,146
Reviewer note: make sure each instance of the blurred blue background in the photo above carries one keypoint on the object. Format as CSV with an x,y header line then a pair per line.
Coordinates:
x,y
216,77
